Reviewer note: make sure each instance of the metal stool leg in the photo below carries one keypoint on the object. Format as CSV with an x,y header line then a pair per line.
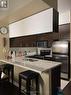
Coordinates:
x,y
37,86
12,75
28,87
19,85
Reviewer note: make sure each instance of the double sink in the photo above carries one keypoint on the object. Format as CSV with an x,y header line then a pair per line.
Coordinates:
x,y
30,59
40,57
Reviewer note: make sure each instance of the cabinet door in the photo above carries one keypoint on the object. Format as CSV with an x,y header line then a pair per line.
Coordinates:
x,y
28,41
12,42
24,41
16,42
42,22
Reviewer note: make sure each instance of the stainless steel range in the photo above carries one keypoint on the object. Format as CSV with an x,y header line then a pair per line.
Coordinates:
x,y
61,53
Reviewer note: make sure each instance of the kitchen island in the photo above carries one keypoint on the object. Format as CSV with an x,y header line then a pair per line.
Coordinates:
x,y
49,78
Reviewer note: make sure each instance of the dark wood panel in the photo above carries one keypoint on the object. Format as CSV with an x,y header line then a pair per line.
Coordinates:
x,y
50,37
55,79
29,41
24,41
16,42
64,32
55,21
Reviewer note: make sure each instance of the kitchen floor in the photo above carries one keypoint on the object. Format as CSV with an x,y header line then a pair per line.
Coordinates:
x,y
9,89
64,83
67,89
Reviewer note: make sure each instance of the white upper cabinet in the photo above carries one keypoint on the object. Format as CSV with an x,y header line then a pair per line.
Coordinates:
x,y
64,18
36,24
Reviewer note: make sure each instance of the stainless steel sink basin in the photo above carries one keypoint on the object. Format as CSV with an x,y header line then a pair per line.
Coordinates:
x,y
29,59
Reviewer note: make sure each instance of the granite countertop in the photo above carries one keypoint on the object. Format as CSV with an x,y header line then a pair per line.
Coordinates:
x,y
32,64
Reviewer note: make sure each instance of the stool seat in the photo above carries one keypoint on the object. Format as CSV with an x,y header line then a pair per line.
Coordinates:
x,y
28,76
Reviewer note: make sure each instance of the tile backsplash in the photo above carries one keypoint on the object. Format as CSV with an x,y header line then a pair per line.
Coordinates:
x,y
24,51
28,51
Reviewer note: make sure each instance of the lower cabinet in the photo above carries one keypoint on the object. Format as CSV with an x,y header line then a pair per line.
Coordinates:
x,y
49,81
55,80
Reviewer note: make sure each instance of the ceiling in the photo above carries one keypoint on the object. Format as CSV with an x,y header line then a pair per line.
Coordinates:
x,y
14,5
18,9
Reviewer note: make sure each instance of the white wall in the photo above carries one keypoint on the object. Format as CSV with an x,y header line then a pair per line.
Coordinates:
x,y
64,17
64,5
35,24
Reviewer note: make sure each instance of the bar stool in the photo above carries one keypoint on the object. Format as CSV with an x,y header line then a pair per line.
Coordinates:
x,y
8,69
28,76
